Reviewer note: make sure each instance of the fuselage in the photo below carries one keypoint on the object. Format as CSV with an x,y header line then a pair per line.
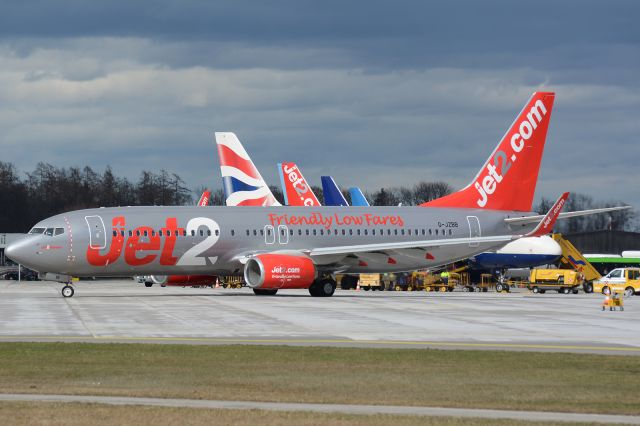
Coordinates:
x,y
125,241
523,253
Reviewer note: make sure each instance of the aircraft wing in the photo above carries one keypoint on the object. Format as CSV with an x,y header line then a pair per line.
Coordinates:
x,y
426,244
537,218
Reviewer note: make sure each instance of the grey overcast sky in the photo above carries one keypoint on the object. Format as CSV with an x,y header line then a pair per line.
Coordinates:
x,y
376,93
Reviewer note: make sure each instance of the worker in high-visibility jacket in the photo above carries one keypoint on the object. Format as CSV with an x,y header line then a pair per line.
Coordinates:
x,y
444,276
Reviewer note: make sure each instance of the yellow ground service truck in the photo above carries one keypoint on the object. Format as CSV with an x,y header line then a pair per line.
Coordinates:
x,y
561,280
431,282
232,281
371,282
620,280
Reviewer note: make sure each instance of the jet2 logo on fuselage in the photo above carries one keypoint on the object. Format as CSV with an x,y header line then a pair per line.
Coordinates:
x,y
144,245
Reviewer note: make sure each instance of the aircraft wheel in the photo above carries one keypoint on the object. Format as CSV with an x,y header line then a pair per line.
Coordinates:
x,y
67,291
148,284
328,287
500,287
264,292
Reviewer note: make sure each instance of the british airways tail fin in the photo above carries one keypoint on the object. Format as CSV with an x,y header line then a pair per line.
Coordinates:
x,y
358,198
296,190
332,194
242,182
507,181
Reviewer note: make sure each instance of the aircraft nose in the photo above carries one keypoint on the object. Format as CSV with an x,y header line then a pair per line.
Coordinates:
x,y
19,251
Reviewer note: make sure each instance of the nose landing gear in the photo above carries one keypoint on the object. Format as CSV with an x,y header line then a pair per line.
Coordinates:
x,y
67,291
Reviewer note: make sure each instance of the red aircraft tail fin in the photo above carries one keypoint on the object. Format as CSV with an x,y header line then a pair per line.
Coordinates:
x,y
507,181
297,192
204,199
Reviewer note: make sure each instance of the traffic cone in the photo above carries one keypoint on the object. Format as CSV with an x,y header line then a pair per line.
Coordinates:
x,y
217,283
358,286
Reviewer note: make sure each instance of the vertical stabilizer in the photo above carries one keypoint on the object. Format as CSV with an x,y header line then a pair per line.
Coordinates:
x,y
296,190
507,181
332,194
243,185
358,198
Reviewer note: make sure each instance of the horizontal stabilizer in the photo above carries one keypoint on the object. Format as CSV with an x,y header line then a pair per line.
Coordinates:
x,y
565,215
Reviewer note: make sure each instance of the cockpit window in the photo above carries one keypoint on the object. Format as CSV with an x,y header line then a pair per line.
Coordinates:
x,y
36,231
49,232
58,231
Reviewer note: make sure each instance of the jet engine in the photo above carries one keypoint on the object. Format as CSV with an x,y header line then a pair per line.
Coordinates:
x,y
274,271
183,280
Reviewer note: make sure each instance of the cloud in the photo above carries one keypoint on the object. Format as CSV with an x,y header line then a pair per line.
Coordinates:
x,y
396,93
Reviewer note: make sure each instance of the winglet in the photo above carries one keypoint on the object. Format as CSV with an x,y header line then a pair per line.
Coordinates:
x,y
546,224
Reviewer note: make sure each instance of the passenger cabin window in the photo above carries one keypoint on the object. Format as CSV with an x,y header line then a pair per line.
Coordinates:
x,y
217,232
209,232
115,233
201,233
37,231
193,232
233,232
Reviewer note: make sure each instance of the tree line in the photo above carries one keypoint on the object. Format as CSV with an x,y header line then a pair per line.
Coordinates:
x,y
50,190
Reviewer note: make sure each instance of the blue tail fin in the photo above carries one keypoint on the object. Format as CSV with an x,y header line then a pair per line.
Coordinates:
x,y
332,194
358,198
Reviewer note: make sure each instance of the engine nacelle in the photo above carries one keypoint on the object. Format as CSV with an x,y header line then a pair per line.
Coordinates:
x,y
273,271
183,280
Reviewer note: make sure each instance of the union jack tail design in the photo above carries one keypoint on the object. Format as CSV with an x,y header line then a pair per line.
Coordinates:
x,y
242,182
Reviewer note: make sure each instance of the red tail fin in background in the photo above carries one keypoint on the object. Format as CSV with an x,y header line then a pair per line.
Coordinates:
x,y
507,181
204,199
297,192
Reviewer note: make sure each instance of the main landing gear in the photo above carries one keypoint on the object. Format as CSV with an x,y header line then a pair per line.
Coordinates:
x,y
67,291
323,287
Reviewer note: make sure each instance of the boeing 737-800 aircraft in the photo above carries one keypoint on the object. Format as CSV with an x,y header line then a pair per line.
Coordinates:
x,y
300,247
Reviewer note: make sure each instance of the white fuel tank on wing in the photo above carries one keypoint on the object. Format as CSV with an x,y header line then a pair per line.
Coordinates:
x,y
523,253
